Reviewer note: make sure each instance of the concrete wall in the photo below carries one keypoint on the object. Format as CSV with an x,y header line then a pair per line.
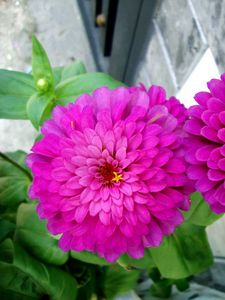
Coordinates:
x,y
182,31
59,27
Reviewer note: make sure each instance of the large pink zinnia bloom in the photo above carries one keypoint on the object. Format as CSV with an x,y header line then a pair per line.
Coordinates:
x,y
110,173
206,144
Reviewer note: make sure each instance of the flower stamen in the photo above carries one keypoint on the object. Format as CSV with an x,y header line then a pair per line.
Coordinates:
x,y
117,177
155,118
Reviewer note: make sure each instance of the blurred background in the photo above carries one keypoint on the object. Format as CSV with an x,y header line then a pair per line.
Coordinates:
x,y
175,43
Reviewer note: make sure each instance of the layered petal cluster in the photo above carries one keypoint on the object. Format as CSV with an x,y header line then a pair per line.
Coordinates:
x,y
110,172
157,95
206,144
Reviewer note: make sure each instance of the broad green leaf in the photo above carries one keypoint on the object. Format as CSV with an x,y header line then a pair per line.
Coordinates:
x,y
66,72
89,257
6,228
86,290
63,73
181,284
68,90
8,213
72,70
154,274
119,281
15,284
145,262
57,284
14,179
38,106
41,68
31,232
184,253
28,274
162,288
15,90
57,73
200,212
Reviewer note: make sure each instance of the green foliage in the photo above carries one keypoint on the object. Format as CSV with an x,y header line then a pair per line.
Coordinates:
x,y
89,257
119,281
87,290
7,228
200,212
41,68
24,275
68,90
145,262
34,96
181,284
15,90
38,108
162,287
184,253
14,179
31,232
64,73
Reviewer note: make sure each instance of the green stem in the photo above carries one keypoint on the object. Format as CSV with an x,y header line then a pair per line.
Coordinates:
x,y
18,166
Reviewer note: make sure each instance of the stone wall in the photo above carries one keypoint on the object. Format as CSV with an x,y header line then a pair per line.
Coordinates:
x,y
182,31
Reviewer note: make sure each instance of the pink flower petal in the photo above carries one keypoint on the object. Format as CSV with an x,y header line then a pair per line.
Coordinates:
x,y
110,173
80,213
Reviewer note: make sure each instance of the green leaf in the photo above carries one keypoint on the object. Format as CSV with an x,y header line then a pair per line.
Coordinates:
x,y
38,107
27,276
68,90
200,212
119,281
31,232
14,179
6,228
89,257
154,274
41,68
86,290
184,253
15,90
63,73
15,284
57,73
145,262
161,289
72,70
181,284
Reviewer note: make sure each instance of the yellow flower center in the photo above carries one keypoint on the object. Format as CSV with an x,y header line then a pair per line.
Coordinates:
x,y
117,177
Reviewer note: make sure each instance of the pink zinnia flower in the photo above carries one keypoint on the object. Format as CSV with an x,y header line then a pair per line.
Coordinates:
x,y
157,95
110,173
206,144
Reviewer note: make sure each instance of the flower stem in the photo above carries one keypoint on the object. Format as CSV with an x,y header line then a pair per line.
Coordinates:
x,y
18,166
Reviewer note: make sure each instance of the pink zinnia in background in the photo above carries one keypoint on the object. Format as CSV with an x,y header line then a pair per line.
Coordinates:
x,y
206,144
110,171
